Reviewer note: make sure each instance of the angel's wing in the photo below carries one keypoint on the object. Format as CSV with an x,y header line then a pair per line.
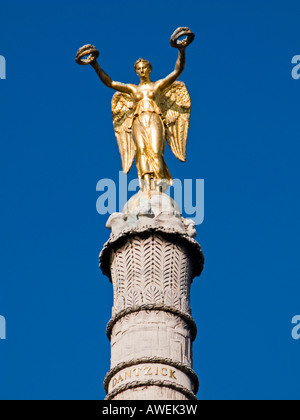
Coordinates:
x,y
176,110
122,106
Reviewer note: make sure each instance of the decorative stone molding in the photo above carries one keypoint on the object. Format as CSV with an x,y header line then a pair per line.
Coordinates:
x,y
165,229
156,307
146,385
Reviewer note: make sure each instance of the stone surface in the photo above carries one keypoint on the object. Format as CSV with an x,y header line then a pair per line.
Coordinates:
x,y
120,223
151,334
157,210
151,203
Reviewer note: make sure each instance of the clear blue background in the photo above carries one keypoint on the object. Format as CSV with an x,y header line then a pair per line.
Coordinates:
x,y
57,141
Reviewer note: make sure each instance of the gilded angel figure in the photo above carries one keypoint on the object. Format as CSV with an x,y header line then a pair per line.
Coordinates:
x,y
147,114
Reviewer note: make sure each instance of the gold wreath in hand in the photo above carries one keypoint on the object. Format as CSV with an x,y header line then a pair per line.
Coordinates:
x,y
188,35
89,51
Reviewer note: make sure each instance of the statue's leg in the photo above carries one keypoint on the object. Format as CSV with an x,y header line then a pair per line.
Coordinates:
x,y
142,162
158,145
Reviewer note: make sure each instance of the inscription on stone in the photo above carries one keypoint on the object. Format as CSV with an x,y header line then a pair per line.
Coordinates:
x,y
143,373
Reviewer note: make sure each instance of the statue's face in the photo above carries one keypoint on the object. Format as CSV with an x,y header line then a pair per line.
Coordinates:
x,y
143,69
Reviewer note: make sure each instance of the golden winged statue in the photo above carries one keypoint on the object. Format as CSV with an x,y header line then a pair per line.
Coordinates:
x,y
147,114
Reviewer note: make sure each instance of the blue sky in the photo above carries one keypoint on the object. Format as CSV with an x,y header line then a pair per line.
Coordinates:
x,y
57,142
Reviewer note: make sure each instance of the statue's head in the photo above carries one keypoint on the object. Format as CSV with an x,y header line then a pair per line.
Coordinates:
x,y
142,67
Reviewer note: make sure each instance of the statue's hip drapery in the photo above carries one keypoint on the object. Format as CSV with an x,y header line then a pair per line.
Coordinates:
x,y
148,133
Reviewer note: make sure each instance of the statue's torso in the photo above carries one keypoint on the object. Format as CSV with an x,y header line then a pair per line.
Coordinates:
x,y
147,99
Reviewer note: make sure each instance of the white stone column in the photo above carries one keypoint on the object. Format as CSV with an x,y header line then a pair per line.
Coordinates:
x,y
151,260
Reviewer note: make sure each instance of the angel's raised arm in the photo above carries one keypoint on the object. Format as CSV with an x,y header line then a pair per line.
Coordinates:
x,y
88,54
106,79
172,77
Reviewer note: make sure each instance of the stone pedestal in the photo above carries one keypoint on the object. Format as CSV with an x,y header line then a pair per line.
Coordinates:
x,y
151,259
